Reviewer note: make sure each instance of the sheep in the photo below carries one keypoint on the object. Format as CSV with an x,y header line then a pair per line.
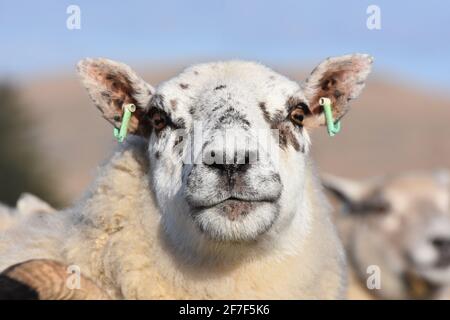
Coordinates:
x,y
401,224
179,212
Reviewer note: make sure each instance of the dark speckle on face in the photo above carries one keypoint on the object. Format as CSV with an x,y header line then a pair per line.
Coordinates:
x,y
158,100
262,106
231,115
287,136
178,141
276,121
222,86
278,116
184,86
181,124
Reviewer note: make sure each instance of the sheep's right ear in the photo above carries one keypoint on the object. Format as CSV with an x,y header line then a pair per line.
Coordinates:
x,y
356,197
339,79
112,84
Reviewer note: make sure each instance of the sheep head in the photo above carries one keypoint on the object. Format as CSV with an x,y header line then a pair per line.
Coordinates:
x,y
228,142
400,223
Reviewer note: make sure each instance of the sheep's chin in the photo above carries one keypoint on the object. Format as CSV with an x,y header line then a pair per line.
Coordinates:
x,y
235,220
426,261
438,276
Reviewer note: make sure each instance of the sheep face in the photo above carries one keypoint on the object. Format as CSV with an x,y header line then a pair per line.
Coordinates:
x,y
419,222
230,160
403,220
227,141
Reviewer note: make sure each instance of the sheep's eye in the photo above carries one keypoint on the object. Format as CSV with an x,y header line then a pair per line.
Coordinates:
x,y
297,115
158,120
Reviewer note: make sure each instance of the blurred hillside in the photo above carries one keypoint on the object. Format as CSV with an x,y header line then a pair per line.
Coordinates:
x,y
392,127
22,163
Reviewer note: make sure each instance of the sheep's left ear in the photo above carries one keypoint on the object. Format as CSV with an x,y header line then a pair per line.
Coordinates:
x,y
340,79
357,196
112,84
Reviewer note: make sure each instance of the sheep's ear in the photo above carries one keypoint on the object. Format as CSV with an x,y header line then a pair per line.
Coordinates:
x,y
340,79
29,204
357,197
112,84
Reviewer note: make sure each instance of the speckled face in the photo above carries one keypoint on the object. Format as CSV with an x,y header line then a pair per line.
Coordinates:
x,y
227,141
229,154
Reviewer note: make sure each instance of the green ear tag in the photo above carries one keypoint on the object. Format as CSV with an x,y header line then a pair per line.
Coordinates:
x,y
120,134
332,127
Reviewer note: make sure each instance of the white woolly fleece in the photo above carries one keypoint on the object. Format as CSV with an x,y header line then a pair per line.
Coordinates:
x,y
114,235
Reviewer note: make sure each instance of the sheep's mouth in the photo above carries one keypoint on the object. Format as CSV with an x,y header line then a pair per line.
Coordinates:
x,y
235,219
233,207
224,197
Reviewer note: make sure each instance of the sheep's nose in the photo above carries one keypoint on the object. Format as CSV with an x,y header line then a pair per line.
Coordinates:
x,y
239,164
441,243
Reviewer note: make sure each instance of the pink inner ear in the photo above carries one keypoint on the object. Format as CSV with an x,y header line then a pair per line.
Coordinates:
x,y
111,85
340,79
339,85
336,86
116,90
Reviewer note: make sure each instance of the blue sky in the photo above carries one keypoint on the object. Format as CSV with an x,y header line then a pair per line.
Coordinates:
x,y
413,43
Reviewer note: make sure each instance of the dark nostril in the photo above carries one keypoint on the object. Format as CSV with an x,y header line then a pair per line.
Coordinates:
x,y
229,168
218,166
240,163
441,243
